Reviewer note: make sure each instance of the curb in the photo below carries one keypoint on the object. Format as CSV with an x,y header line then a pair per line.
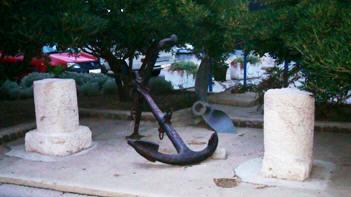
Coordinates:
x,y
12,133
114,114
320,126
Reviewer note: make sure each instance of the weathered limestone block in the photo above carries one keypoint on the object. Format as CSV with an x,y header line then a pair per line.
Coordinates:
x,y
58,131
288,134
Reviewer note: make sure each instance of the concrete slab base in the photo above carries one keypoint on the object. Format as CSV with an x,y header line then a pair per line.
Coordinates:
x,y
250,172
19,151
58,143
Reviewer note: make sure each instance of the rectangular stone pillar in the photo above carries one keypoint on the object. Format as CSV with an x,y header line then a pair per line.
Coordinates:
x,y
288,134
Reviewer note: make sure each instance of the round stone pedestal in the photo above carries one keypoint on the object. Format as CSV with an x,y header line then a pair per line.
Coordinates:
x,y
58,132
288,134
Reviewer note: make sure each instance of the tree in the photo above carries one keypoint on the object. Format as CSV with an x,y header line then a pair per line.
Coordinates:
x,y
323,38
133,28
314,34
207,25
28,25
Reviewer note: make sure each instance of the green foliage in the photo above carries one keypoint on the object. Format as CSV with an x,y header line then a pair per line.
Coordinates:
x,y
314,34
240,88
90,89
27,25
206,24
56,70
219,71
25,93
11,71
325,48
189,67
87,85
109,87
252,59
158,85
28,80
9,90
83,78
274,79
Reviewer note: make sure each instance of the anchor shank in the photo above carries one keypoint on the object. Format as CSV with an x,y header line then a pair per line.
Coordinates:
x,y
159,115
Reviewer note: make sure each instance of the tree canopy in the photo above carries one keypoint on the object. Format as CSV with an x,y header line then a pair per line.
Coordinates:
x,y
314,34
208,26
27,25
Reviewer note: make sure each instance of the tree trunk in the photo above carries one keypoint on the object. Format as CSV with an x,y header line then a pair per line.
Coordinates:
x,y
286,74
201,81
117,66
120,85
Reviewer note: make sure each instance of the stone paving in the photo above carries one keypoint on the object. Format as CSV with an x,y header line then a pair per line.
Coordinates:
x,y
114,169
8,190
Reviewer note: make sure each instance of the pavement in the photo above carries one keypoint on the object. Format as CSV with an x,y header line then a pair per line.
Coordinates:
x,y
113,168
9,190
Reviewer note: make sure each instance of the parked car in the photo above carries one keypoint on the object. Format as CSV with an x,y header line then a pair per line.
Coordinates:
x,y
71,61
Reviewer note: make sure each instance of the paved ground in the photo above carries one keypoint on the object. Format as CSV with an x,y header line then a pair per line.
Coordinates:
x,y
113,167
8,190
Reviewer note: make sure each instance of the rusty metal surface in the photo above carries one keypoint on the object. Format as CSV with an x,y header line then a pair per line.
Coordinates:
x,y
149,150
185,156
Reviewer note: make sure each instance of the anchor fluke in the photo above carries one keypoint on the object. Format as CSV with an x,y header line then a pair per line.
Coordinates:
x,y
185,156
144,147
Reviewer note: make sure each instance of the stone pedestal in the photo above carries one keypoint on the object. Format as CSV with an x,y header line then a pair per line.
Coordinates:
x,y
288,134
58,131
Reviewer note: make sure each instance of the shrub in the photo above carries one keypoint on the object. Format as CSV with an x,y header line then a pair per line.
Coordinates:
x,y
90,89
109,87
189,67
83,78
158,85
28,80
250,59
25,93
9,90
87,84
56,70
99,78
79,78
